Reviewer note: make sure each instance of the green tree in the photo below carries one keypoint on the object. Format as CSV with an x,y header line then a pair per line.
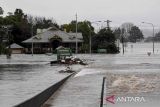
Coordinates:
x,y
84,27
117,33
42,22
135,34
22,24
1,11
127,26
21,28
105,39
157,37
1,32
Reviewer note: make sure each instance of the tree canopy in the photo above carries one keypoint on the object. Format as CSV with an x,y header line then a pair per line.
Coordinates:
x,y
135,34
132,34
22,24
127,26
105,39
1,11
117,33
84,27
156,38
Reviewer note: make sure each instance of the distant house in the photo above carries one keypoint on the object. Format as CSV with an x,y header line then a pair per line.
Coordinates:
x,y
16,49
52,38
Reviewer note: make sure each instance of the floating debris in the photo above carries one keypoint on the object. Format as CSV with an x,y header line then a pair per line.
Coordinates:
x,y
69,60
67,70
149,53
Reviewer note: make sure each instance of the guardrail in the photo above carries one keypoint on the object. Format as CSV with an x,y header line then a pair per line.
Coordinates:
x,y
41,98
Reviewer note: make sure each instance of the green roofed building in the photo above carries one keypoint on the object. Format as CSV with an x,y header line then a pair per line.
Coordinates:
x,y
51,38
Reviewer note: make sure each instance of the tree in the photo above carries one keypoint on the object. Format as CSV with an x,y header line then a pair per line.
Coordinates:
x,y
42,22
156,38
105,39
1,32
135,34
1,11
22,24
117,33
84,27
127,28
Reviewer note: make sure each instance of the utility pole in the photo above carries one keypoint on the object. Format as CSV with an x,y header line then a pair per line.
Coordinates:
x,y
8,55
8,34
9,45
76,36
32,39
90,40
108,21
123,44
153,38
122,37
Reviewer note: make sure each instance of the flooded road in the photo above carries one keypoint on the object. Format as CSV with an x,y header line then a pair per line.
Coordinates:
x,y
132,74
135,72
24,76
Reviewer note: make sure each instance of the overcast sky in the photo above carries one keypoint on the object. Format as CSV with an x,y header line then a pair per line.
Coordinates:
x,y
63,11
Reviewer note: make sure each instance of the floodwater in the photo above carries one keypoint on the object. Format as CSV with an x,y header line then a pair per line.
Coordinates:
x,y
135,72
132,74
24,76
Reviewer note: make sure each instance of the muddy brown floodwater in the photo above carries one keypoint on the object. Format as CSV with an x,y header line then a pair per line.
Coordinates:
x,y
139,84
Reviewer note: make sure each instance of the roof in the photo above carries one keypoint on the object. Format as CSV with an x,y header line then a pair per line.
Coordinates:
x,y
45,37
15,46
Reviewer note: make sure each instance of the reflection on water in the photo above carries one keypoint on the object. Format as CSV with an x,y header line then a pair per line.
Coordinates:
x,y
16,72
20,81
26,59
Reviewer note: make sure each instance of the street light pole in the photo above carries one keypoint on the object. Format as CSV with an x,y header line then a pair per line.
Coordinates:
x,y
153,33
8,34
76,36
9,45
90,40
153,38
32,39
122,39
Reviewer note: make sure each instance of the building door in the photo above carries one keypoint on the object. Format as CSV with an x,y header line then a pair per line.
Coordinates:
x,y
55,44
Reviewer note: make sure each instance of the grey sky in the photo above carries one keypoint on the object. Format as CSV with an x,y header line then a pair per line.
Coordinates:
x,y
63,11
